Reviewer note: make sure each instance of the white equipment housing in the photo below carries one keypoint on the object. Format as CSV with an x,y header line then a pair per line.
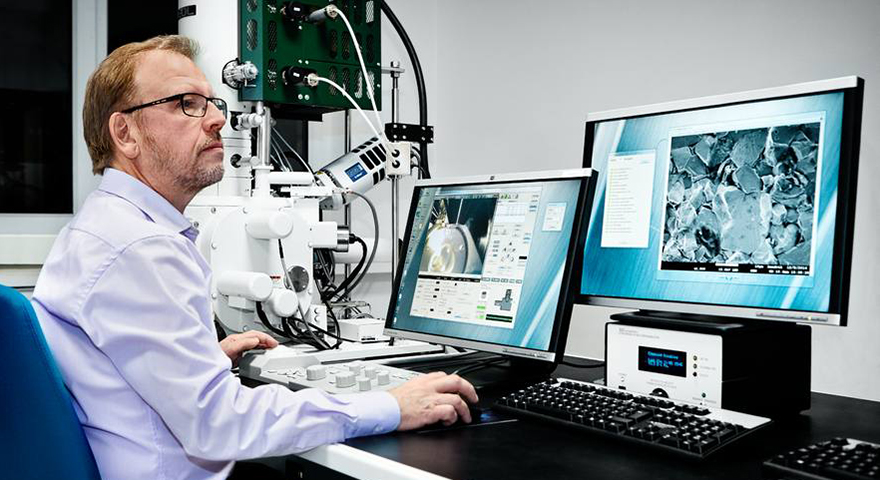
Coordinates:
x,y
241,227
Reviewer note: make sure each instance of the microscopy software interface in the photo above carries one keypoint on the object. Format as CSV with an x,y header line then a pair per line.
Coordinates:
x,y
464,275
741,199
486,261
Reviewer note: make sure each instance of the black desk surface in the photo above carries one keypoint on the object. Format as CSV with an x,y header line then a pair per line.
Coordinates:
x,y
532,450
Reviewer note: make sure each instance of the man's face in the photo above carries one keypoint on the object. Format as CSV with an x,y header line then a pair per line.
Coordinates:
x,y
184,153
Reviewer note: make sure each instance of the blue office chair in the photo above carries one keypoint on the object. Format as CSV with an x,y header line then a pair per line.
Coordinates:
x,y
40,434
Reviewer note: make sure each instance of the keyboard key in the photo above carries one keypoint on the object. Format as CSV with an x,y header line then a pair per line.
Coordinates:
x,y
670,440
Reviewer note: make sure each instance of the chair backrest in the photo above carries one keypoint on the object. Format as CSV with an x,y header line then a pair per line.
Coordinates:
x,y
40,434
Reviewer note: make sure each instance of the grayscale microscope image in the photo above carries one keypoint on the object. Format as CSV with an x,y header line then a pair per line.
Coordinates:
x,y
723,184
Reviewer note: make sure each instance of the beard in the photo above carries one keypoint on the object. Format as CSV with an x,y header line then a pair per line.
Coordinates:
x,y
186,173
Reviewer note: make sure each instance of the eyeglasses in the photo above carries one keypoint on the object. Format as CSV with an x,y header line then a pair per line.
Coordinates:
x,y
192,104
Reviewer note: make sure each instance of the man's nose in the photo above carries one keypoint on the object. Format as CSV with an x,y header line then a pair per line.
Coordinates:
x,y
214,119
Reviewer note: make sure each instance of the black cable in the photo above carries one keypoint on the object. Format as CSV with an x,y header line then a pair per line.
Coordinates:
x,y
354,273
322,269
583,365
320,344
421,170
301,338
422,365
335,324
286,329
343,286
375,216
327,264
338,338
479,365
265,321
420,80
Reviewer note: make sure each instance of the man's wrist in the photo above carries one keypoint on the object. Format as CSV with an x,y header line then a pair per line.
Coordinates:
x,y
376,413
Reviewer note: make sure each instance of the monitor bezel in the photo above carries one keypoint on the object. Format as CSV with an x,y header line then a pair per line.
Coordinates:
x,y
853,90
559,335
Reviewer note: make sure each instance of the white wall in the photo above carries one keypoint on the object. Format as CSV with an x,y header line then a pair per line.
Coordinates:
x,y
515,79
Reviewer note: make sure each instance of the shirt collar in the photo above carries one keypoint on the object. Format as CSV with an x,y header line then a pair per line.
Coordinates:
x,y
154,206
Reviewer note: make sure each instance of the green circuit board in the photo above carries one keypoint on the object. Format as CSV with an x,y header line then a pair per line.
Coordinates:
x,y
273,42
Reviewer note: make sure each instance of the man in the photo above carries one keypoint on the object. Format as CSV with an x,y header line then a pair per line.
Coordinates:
x,y
123,298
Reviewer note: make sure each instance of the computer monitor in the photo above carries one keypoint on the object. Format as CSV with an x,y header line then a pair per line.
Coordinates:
x,y
487,263
738,205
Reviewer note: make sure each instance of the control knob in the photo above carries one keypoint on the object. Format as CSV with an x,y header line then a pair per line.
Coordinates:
x,y
364,384
316,372
344,379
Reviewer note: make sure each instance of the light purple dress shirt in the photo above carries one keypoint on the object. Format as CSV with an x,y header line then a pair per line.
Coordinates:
x,y
123,300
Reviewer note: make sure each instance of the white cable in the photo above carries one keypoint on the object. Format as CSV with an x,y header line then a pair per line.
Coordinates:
x,y
281,158
357,49
369,84
381,136
359,109
305,164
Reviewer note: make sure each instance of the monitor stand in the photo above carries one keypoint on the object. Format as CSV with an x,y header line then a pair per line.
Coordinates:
x,y
692,322
750,366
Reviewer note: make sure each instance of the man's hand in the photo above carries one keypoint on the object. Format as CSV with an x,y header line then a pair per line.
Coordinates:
x,y
431,398
236,344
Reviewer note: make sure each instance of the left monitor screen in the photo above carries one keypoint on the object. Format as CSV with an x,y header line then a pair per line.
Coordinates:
x,y
487,262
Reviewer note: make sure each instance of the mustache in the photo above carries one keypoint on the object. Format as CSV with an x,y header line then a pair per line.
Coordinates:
x,y
214,138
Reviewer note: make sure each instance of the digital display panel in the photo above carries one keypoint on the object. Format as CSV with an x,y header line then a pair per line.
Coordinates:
x,y
661,360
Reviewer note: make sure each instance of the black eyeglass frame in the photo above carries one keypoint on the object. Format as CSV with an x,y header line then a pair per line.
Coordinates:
x,y
218,102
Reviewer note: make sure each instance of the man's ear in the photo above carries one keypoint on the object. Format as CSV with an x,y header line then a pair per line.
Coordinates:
x,y
125,137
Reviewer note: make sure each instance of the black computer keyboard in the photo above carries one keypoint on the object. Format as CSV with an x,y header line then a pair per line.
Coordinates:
x,y
840,458
687,430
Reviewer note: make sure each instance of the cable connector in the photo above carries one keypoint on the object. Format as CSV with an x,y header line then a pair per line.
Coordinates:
x,y
330,11
294,11
292,76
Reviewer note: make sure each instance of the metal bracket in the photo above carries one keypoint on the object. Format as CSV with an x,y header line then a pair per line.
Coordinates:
x,y
407,132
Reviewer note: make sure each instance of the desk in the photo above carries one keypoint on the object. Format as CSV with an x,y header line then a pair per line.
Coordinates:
x,y
531,450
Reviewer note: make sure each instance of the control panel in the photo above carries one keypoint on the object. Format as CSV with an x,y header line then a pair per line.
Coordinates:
x,y
348,377
297,371
682,366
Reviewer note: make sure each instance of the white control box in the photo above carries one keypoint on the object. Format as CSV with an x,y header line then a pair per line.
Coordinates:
x,y
679,365
400,164
362,329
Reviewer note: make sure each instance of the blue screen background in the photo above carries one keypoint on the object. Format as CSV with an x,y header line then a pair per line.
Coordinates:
x,y
634,273
533,325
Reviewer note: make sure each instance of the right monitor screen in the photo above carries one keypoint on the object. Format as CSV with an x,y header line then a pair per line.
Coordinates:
x,y
734,208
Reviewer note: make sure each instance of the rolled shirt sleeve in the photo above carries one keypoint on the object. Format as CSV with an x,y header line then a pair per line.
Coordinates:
x,y
149,311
